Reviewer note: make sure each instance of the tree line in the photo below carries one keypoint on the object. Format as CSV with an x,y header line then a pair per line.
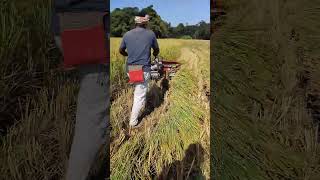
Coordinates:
x,y
122,20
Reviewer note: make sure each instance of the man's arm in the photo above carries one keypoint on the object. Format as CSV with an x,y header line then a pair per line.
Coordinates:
x,y
122,49
123,52
155,46
156,51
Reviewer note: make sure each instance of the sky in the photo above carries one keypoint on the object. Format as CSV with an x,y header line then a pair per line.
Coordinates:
x,y
173,11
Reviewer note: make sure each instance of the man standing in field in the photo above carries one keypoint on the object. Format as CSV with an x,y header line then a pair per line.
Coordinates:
x,y
92,116
138,43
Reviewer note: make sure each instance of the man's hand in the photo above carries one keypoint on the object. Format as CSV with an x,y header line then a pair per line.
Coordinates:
x,y
156,52
123,52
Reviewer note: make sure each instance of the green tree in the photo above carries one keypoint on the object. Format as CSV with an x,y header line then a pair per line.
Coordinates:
x,y
122,20
179,30
203,31
157,25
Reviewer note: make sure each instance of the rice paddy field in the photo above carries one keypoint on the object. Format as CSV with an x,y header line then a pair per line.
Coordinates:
x,y
37,98
264,99
265,90
173,141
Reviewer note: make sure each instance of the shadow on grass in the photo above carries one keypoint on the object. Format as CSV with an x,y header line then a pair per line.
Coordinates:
x,y
187,168
155,98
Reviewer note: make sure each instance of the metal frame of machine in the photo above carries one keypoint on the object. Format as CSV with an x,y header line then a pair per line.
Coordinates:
x,y
163,69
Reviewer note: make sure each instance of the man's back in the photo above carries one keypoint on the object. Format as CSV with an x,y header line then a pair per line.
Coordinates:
x,y
139,42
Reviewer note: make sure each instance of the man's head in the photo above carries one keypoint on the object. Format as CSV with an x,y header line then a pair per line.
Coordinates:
x,y
142,20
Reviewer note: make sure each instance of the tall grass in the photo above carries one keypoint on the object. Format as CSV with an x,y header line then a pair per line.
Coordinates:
x,y
37,147
27,54
261,127
37,101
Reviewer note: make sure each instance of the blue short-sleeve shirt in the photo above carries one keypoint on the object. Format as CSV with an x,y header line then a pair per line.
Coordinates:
x,y
138,43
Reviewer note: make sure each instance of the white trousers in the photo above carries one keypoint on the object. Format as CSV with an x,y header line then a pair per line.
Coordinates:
x,y
139,99
92,119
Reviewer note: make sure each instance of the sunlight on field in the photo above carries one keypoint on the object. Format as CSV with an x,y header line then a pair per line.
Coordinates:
x,y
158,145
